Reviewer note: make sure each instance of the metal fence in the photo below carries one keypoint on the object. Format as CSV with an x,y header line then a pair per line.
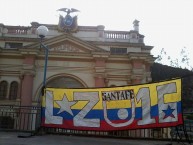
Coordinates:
x,y
27,119
19,118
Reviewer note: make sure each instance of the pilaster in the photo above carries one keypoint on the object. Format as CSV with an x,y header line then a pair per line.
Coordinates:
x,y
140,63
100,68
137,71
27,75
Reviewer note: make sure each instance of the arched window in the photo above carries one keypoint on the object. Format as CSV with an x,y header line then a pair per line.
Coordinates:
x,y
13,90
3,90
64,82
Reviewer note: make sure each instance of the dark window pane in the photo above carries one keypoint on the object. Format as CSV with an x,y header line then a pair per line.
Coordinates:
x,y
13,91
118,50
13,45
3,90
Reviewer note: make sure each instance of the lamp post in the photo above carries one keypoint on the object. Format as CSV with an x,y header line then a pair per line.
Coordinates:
x,y
42,32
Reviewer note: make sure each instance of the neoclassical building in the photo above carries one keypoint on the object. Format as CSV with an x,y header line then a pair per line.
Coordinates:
x,y
79,57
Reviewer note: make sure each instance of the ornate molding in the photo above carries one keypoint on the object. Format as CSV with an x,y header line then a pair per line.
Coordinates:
x,y
101,55
27,51
27,72
65,48
28,69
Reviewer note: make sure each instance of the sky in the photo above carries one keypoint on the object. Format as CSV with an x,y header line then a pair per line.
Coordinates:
x,y
165,24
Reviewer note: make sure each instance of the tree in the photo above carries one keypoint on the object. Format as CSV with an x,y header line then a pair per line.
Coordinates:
x,y
182,61
161,72
174,69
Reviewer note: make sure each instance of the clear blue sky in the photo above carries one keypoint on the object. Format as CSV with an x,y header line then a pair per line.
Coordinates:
x,y
165,23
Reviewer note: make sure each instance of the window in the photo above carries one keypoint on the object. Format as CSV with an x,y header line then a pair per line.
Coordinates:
x,y
13,45
118,50
64,82
3,90
13,91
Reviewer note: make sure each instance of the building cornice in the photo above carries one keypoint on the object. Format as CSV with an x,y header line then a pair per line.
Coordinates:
x,y
145,57
121,44
22,39
54,41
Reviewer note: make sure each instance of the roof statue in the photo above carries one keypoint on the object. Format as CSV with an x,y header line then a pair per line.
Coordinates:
x,y
68,11
68,23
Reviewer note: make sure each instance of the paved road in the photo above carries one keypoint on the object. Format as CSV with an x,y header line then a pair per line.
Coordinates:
x,y
11,138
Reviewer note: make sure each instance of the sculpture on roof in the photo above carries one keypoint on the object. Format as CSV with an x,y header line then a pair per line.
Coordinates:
x,y
68,11
68,23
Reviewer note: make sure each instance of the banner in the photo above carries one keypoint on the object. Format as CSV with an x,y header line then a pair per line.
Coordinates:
x,y
118,108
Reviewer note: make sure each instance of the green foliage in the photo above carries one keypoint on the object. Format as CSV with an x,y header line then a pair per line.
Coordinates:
x,y
161,72
183,61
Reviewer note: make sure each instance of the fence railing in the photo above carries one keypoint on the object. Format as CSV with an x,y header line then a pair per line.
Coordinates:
x,y
19,118
27,118
116,35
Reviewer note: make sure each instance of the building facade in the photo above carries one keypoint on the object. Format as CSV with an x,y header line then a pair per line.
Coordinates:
x,y
82,57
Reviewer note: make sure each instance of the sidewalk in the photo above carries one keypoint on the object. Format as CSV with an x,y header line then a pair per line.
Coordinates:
x,y
11,138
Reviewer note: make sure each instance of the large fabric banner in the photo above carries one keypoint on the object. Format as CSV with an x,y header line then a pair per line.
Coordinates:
x,y
118,108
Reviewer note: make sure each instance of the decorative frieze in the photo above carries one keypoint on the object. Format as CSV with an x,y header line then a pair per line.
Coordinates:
x,y
65,48
26,52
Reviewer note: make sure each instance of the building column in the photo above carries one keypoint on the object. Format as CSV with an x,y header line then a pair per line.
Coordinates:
x,y
100,65
99,81
135,80
27,81
100,68
27,75
27,90
137,71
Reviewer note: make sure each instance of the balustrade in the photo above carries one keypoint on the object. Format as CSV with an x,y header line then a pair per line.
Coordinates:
x,y
18,30
116,35
109,35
